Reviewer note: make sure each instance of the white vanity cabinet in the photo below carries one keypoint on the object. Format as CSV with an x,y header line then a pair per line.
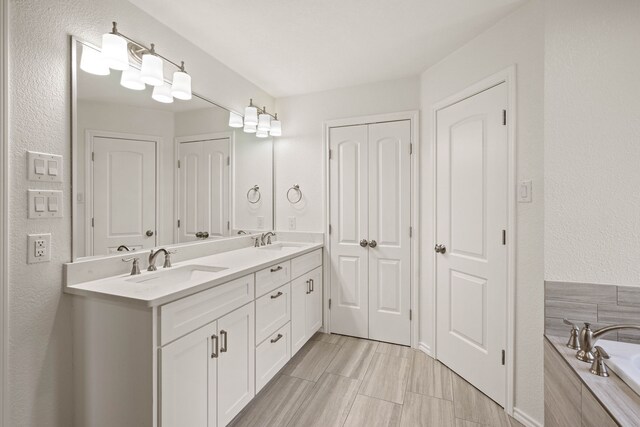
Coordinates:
x,y
198,360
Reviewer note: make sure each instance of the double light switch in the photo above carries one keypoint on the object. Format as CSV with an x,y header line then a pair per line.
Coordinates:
x,y
45,204
44,167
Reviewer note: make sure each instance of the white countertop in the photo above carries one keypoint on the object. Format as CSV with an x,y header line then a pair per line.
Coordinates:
x,y
238,263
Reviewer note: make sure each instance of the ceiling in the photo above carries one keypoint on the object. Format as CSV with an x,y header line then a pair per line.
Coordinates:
x,y
290,47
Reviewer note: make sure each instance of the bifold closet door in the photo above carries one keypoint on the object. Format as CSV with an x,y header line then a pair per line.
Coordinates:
x,y
389,228
350,225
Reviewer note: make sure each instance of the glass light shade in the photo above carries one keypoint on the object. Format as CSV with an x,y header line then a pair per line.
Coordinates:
x,y
162,94
181,87
276,128
91,62
251,116
152,70
131,79
249,128
262,133
114,51
235,120
264,122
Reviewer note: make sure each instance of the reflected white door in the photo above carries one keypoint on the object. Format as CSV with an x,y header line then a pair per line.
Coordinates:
x,y
389,222
370,190
204,188
124,194
350,224
471,200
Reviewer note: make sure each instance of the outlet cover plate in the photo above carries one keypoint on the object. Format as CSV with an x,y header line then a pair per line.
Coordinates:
x,y
38,248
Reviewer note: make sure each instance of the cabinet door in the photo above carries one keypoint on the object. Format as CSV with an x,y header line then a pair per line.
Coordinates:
x,y
236,367
188,380
299,332
314,302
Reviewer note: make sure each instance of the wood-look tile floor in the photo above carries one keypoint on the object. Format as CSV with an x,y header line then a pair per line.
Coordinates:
x,y
343,381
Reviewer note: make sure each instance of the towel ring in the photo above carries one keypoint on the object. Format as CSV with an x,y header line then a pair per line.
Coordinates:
x,y
255,189
296,188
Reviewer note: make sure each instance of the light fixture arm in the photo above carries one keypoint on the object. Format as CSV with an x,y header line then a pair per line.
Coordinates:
x,y
262,110
144,48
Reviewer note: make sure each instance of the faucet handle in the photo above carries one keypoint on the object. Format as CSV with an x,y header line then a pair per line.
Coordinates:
x,y
135,267
167,258
600,352
569,323
574,341
598,366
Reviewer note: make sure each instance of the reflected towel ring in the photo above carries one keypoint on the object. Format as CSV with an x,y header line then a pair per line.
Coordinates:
x,y
256,190
296,188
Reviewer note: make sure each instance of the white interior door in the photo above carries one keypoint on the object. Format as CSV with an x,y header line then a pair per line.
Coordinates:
x,y
204,188
471,203
350,224
389,238
124,194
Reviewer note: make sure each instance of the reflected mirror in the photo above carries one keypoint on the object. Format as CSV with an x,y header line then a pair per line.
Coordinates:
x,y
147,174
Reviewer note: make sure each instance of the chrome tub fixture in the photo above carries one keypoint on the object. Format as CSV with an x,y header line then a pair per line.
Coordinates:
x,y
256,120
589,337
148,69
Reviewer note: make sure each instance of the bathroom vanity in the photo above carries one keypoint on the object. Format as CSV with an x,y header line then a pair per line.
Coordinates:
x,y
191,345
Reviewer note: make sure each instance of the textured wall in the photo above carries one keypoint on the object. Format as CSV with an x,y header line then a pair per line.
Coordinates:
x,y
517,39
592,141
40,353
298,153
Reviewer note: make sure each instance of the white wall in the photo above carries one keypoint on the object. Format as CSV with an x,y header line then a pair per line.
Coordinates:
x,y
298,153
592,141
517,39
202,121
40,355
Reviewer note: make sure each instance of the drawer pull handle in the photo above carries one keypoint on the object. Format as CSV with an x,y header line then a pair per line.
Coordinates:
x,y
278,268
223,336
276,339
214,346
312,285
308,286
279,294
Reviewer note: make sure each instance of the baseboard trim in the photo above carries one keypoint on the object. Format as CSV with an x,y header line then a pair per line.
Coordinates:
x,y
525,418
425,349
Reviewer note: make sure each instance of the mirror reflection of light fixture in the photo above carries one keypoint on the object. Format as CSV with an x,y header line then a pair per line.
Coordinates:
x,y
131,79
251,116
249,128
235,120
115,53
264,122
92,62
276,127
181,86
162,93
262,133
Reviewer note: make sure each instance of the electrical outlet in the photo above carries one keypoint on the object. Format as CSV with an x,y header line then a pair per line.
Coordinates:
x,y
38,248
260,223
292,223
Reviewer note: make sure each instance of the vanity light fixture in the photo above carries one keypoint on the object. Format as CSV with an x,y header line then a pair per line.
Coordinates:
x,y
115,53
256,120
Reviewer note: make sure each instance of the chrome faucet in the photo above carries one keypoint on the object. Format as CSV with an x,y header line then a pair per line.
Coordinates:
x,y
588,338
154,254
266,236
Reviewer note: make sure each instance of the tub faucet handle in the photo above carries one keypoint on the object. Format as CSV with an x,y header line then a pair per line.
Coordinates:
x,y
598,366
574,341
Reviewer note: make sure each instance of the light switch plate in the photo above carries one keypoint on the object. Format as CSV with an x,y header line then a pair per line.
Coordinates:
x,y
44,167
38,248
292,223
524,192
45,204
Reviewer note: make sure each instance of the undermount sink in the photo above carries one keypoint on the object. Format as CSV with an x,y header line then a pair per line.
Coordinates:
x,y
278,246
625,361
178,275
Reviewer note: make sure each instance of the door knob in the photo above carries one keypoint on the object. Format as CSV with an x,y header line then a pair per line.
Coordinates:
x,y
198,234
149,233
373,244
364,243
440,249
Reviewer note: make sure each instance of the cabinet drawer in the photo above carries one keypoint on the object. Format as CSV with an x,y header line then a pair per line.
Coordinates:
x,y
272,277
272,311
305,263
187,314
271,356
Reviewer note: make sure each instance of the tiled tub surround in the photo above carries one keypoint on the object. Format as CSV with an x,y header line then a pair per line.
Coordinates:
x,y
601,305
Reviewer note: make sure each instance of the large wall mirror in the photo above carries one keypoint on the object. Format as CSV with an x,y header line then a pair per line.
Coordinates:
x,y
146,173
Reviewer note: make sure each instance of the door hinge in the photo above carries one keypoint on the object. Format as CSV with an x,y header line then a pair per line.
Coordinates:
x,y
329,228
410,232
329,303
504,356
93,156
504,237
178,164
93,222
504,117
410,314
330,154
411,149
228,160
178,223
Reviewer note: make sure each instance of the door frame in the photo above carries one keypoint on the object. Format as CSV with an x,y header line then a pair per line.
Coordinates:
x,y
507,76
413,116
4,209
176,179
90,135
